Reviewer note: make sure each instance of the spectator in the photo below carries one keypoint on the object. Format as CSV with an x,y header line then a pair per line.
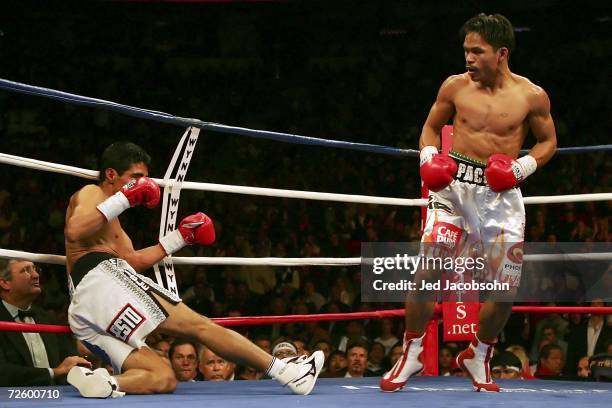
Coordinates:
x,y
550,362
445,361
312,296
337,365
588,338
549,334
583,370
354,333
28,359
326,347
394,354
248,373
214,368
357,359
520,352
551,320
183,356
386,337
264,343
284,349
506,365
375,360
202,294
303,349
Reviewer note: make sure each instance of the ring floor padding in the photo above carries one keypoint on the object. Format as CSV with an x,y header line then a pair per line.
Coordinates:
x,y
420,392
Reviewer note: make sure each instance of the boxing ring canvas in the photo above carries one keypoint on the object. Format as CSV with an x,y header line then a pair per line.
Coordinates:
x,y
362,392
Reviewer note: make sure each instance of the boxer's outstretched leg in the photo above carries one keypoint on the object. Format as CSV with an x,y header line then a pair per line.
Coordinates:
x,y
182,321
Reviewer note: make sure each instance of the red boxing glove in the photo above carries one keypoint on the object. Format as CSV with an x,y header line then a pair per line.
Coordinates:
x,y
142,190
194,229
437,170
503,172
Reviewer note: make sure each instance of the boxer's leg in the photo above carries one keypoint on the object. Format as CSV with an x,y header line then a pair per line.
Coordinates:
x,y
182,321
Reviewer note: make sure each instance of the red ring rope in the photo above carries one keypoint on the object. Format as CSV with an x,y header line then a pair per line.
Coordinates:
x,y
265,320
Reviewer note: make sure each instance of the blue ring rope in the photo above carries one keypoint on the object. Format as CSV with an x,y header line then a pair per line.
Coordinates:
x,y
262,134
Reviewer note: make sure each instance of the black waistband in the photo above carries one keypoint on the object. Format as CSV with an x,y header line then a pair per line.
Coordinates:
x,y
86,263
468,170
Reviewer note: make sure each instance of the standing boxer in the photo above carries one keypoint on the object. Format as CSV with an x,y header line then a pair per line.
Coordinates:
x,y
474,190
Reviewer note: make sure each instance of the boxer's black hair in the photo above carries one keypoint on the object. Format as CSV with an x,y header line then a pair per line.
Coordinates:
x,y
495,29
120,156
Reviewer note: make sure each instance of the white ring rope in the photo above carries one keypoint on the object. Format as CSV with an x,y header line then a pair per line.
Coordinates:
x,y
190,260
273,192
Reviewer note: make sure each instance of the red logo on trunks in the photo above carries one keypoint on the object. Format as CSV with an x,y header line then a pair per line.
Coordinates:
x,y
446,234
515,253
125,323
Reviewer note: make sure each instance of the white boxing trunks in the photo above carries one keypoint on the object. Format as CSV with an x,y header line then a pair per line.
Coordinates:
x,y
468,218
113,308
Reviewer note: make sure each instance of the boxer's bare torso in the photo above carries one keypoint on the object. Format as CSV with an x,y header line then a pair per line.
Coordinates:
x,y
492,109
111,238
488,122
86,228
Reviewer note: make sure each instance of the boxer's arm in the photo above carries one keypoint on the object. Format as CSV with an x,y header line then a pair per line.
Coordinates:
x,y
542,126
85,219
440,113
194,229
145,258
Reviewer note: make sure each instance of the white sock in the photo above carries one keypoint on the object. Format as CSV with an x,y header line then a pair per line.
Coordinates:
x,y
281,371
481,349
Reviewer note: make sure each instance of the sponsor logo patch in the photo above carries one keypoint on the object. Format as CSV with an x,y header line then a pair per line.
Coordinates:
x,y
125,323
515,253
446,234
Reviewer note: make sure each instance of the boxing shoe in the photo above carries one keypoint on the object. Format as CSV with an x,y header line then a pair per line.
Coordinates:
x,y
409,364
474,360
300,373
94,384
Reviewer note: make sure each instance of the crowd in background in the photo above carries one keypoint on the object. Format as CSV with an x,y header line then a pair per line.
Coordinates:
x,y
375,90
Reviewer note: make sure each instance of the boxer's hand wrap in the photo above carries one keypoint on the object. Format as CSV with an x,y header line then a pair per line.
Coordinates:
x,y
195,229
437,170
142,190
503,172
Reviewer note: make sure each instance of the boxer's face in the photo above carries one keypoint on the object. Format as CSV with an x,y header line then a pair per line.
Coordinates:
x,y
481,60
135,171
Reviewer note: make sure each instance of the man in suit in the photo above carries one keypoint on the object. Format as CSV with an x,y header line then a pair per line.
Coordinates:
x,y
591,336
30,358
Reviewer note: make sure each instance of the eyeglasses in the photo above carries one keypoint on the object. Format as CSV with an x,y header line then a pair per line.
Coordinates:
x,y
31,269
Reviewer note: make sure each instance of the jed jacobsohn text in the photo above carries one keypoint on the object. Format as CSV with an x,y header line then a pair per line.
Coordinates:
x,y
404,262
404,284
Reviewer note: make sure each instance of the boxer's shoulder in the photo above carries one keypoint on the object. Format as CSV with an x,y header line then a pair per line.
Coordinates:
x,y
529,88
456,82
88,193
